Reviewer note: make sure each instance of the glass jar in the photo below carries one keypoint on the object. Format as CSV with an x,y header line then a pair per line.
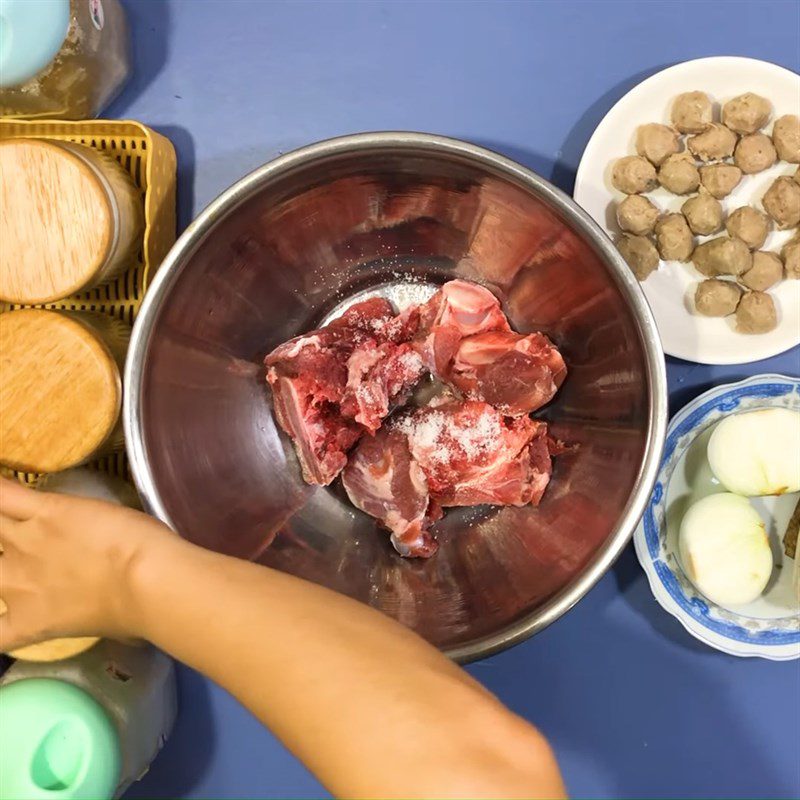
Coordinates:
x,y
64,59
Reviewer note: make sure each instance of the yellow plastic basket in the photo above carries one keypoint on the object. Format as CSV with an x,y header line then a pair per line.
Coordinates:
x,y
149,158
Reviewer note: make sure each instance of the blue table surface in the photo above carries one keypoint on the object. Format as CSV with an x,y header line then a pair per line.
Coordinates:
x,y
633,705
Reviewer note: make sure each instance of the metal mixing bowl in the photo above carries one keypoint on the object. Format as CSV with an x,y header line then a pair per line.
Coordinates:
x,y
286,245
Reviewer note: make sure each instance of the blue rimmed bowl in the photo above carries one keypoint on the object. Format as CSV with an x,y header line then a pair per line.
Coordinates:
x,y
769,627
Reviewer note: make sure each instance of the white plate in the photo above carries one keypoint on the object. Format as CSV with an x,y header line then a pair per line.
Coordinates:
x,y
768,627
670,290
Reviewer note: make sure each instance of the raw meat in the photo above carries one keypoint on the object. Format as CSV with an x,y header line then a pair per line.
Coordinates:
x,y
378,377
466,341
514,373
383,480
473,443
471,454
332,384
457,310
321,436
462,453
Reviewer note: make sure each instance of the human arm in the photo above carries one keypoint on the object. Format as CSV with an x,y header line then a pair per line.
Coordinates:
x,y
368,706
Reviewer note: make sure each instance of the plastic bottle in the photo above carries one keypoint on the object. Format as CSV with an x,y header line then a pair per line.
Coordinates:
x,y
86,727
64,59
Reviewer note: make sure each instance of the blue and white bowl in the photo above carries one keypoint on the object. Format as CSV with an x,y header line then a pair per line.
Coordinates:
x,y
768,627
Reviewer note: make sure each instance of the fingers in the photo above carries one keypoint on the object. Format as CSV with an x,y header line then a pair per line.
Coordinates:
x,y
17,501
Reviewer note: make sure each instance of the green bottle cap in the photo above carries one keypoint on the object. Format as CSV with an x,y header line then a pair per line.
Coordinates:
x,y
56,742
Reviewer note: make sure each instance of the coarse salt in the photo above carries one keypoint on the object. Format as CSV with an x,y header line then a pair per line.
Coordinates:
x,y
443,437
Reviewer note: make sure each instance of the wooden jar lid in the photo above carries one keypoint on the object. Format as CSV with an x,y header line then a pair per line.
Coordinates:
x,y
55,649
60,393
56,222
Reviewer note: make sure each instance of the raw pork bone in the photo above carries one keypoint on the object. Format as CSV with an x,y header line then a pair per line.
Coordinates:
x,y
466,341
384,481
332,384
461,453
516,374
472,455
457,310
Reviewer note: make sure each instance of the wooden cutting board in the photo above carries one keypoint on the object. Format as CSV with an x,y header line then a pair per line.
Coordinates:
x,y
56,222
60,391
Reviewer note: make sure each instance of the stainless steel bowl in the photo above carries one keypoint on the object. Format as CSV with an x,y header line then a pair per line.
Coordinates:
x,y
307,232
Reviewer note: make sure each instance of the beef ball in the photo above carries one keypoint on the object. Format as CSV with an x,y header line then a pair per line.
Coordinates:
x,y
716,298
722,256
692,112
637,215
791,259
746,113
703,213
674,238
634,175
786,138
719,180
640,253
749,225
713,144
678,174
754,153
655,142
756,313
766,271
796,176
782,202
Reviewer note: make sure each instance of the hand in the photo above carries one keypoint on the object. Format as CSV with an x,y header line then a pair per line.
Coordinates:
x,y
294,653
68,564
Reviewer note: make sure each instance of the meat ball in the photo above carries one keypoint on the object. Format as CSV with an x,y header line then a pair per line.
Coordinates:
x,y
637,215
746,113
796,176
791,259
656,142
782,202
640,254
756,313
716,298
674,238
634,175
713,144
703,213
678,174
766,271
754,153
691,112
719,180
722,256
786,138
749,225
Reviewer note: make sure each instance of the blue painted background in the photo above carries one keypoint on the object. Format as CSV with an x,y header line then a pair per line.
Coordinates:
x,y
633,705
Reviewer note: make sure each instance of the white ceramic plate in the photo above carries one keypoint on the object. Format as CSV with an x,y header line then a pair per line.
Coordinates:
x,y
670,290
768,627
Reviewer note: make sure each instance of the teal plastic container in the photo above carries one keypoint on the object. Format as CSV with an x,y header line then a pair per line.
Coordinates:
x,y
133,685
31,35
56,742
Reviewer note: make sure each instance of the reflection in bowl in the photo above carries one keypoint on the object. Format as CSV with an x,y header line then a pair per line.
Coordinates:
x,y
274,256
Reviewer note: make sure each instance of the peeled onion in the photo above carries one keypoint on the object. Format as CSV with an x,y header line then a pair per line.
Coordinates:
x,y
724,549
757,452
